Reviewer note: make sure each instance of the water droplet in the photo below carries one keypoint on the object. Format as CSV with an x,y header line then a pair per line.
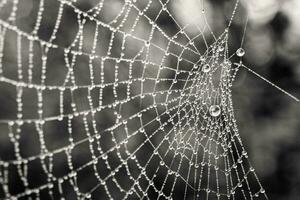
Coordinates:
x,y
240,52
221,48
215,110
147,43
206,68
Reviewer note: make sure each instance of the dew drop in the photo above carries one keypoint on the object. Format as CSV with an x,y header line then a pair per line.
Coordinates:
x,y
215,110
240,52
206,68
221,48
147,43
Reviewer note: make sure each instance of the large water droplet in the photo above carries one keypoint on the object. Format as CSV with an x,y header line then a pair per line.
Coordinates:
x,y
240,52
206,68
104,157
220,48
215,110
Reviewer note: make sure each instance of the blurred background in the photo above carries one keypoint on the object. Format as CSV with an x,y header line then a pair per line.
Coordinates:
x,y
268,120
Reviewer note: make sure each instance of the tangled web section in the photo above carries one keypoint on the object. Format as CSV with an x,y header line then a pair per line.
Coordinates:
x,y
107,104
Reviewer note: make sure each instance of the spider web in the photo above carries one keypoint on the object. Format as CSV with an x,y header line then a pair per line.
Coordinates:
x,y
118,107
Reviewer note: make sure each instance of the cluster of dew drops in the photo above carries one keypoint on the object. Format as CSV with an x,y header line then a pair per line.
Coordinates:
x,y
215,110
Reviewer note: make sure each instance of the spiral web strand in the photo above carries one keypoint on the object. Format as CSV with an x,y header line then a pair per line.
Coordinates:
x,y
115,114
